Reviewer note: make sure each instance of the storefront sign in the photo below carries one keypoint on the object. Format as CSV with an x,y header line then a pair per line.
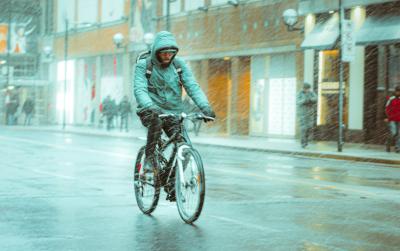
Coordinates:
x,y
348,41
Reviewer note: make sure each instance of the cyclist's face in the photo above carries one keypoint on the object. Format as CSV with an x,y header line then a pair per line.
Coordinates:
x,y
166,57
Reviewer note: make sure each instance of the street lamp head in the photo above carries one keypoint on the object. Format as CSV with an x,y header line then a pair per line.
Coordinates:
x,y
290,17
47,50
118,39
148,38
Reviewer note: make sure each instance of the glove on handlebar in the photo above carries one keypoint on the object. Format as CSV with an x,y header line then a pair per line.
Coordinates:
x,y
207,111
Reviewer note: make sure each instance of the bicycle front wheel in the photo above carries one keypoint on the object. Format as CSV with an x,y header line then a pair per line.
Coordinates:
x,y
147,186
190,191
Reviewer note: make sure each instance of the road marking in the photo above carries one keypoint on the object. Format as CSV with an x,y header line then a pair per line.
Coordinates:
x,y
248,225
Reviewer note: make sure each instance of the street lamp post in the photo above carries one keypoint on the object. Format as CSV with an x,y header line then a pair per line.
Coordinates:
x,y
168,25
340,136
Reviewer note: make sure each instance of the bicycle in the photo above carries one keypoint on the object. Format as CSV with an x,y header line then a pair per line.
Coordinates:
x,y
184,162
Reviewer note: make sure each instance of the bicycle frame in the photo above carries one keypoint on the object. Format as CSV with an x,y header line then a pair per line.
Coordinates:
x,y
177,155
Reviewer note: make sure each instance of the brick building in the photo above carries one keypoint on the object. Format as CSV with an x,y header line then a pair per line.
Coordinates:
x,y
368,79
96,66
246,60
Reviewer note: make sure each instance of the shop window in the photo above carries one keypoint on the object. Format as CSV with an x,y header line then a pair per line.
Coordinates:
x,y
193,5
67,93
328,88
111,81
87,11
112,10
65,7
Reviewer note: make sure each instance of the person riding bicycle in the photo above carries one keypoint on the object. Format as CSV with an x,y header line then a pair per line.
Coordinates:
x,y
159,91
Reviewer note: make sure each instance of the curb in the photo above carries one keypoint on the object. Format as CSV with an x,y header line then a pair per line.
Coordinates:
x,y
395,163
321,155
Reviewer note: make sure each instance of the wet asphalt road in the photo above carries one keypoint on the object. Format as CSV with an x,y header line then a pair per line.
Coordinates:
x,y
75,192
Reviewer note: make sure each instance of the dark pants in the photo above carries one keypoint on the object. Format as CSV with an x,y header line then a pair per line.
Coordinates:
x,y
305,135
155,125
394,127
110,121
124,122
28,118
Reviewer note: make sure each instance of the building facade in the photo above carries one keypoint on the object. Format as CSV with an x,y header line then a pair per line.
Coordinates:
x,y
21,72
368,78
89,62
245,59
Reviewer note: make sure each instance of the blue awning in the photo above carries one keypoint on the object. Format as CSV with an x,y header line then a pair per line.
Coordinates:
x,y
382,29
323,36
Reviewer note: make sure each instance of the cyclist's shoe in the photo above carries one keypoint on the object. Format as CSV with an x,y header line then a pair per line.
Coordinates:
x,y
171,196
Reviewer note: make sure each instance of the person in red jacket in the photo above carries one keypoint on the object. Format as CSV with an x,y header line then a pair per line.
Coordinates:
x,y
393,117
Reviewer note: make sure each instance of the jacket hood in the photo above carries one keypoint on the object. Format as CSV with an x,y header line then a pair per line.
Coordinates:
x,y
163,40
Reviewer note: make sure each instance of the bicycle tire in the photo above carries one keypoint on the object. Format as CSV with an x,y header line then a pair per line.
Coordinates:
x,y
200,184
138,185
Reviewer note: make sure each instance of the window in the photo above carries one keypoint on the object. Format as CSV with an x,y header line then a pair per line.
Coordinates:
x,y
112,10
175,7
87,11
328,88
65,9
193,5
218,2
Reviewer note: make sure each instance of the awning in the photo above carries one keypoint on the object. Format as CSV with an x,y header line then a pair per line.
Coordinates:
x,y
323,36
379,30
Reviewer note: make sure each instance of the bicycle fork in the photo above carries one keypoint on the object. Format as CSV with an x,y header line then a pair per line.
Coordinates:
x,y
180,159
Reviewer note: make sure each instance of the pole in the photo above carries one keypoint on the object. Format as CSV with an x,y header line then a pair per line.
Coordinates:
x,y
168,27
65,71
340,138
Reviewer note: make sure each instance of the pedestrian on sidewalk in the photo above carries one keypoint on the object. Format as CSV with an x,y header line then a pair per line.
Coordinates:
x,y
12,108
393,119
108,111
306,101
125,110
28,108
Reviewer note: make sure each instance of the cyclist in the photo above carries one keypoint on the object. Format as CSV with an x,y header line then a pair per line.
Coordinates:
x,y
158,86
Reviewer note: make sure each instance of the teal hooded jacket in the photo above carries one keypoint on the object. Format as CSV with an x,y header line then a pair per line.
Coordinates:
x,y
165,79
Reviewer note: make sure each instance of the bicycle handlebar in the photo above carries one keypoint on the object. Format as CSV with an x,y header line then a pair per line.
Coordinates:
x,y
183,116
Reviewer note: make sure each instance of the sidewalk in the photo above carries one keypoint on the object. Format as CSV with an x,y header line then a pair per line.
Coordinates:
x,y
351,151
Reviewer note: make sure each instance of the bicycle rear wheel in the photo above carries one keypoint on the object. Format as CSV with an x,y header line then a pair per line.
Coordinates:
x,y
147,186
190,194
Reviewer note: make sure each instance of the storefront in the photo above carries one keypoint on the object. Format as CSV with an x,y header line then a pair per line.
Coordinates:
x,y
226,82
381,37
89,81
368,79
